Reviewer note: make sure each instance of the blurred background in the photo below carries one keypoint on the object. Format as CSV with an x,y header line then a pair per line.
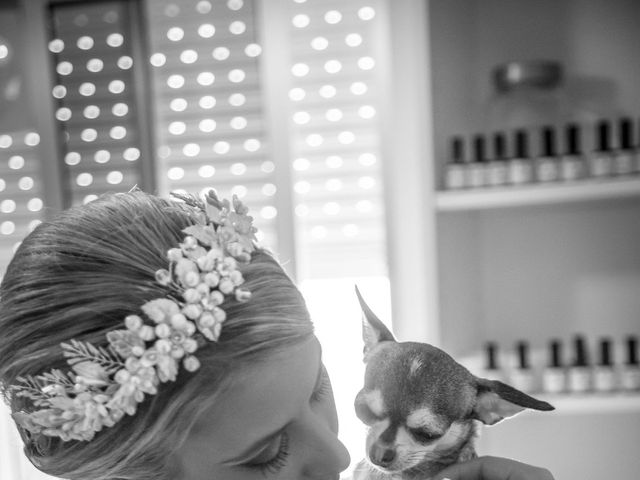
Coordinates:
x,y
472,165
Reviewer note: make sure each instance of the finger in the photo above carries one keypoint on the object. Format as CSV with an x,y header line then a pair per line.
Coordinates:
x,y
493,468
471,470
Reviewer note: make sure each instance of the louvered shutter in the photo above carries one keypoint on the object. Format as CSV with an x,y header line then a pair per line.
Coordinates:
x,y
209,105
21,190
336,156
91,53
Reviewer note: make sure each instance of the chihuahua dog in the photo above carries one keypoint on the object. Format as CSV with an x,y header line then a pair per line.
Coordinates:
x,y
421,407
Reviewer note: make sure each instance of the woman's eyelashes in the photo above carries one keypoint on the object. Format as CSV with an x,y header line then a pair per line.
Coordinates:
x,y
323,387
272,460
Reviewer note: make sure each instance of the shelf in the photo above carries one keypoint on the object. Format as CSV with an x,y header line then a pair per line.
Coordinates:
x,y
537,194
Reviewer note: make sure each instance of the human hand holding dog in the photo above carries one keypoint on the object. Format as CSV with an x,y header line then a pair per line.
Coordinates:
x,y
493,468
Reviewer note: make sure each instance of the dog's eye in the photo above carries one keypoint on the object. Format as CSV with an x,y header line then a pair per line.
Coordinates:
x,y
365,414
423,436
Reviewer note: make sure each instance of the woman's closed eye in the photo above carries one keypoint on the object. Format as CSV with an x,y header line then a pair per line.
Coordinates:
x,y
273,458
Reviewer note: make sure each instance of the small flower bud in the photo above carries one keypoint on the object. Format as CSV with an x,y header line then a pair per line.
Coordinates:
x,y
177,352
163,330
217,297
207,320
137,350
219,315
206,263
174,255
179,321
242,295
122,376
191,363
235,249
163,346
147,333
191,295
192,311
189,242
190,345
212,279
163,277
191,279
236,277
132,364
185,265
189,328
216,331
133,322
226,286
231,263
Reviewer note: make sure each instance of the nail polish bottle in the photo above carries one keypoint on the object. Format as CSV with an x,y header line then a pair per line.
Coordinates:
x,y
601,160
554,377
520,167
630,371
455,177
604,375
522,376
476,170
579,374
637,150
624,156
497,168
547,166
492,369
572,165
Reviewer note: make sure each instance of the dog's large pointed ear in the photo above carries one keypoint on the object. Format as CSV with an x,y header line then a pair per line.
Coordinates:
x,y
496,401
373,330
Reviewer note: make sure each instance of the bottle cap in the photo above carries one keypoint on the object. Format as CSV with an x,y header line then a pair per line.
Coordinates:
x,y
632,351
499,146
547,142
555,359
523,354
580,351
457,150
479,148
534,73
605,352
625,133
522,146
572,134
603,130
491,349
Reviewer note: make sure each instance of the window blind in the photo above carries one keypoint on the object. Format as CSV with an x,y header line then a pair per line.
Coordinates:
x,y
208,100
20,190
336,157
91,52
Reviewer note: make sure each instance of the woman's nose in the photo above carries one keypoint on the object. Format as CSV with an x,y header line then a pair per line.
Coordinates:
x,y
328,455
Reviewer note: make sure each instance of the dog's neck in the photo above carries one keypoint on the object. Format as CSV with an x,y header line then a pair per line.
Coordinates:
x,y
424,471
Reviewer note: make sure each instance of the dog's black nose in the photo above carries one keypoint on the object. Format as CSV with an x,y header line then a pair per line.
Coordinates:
x,y
382,456
388,456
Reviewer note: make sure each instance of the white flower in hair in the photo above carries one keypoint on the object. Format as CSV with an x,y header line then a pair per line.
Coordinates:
x,y
106,383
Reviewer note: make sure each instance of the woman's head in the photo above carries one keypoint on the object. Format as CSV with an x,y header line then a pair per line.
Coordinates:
x,y
78,276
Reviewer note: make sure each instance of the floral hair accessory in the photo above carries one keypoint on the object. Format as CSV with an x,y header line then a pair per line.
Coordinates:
x,y
105,383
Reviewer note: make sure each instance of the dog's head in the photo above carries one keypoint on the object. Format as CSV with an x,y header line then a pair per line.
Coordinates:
x,y
420,404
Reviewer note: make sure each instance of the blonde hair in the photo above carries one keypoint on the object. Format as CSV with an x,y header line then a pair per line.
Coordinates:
x,y
78,276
